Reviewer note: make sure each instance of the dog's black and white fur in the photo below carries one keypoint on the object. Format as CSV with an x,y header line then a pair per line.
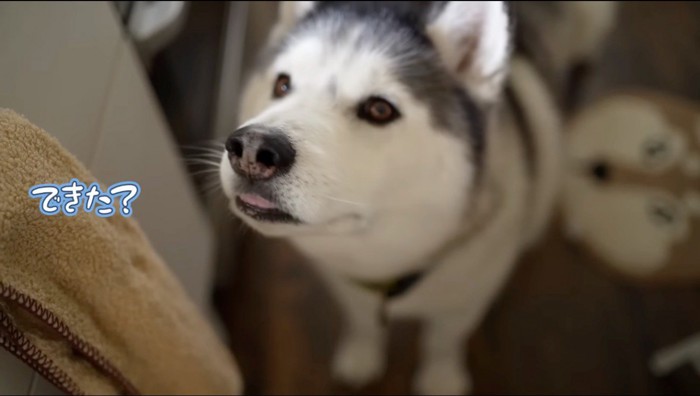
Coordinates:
x,y
378,141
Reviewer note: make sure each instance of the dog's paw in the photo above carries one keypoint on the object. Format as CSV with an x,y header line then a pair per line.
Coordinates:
x,y
442,379
358,361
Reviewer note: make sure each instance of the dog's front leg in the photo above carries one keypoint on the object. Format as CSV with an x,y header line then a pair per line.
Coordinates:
x,y
442,370
360,356
459,304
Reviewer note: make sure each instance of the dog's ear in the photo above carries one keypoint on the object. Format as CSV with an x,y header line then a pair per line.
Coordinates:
x,y
473,39
288,14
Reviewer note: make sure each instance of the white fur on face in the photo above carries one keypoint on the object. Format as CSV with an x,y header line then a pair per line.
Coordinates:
x,y
347,171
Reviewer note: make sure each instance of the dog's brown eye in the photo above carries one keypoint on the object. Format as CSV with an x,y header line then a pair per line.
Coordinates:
x,y
282,86
378,111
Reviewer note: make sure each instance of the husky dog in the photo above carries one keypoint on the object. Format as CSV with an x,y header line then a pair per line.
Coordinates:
x,y
410,157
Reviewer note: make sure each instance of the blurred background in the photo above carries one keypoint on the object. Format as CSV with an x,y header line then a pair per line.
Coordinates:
x,y
147,91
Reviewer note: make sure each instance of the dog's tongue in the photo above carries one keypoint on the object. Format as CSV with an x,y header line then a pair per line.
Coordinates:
x,y
257,201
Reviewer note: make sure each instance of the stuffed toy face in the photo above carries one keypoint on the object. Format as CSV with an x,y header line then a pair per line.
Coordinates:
x,y
632,189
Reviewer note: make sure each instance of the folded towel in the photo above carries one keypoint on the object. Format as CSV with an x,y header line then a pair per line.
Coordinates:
x,y
85,300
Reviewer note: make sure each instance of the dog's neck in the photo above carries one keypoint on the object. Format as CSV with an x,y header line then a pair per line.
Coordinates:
x,y
482,209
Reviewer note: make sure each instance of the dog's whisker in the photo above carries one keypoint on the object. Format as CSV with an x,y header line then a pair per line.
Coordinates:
x,y
216,156
205,144
210,160
213,181
205,172
205,153
341,200
210,155
203,149
207,150
212,192
209,170
195,158
201,161
211,178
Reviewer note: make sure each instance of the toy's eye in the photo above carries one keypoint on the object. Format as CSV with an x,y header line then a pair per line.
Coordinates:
x,y
282,86
663,213
378,111
655,148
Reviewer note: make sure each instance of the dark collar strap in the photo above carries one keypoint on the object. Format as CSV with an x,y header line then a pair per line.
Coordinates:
x,y
393,288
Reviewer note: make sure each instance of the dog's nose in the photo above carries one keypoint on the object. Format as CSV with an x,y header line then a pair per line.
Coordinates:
x,y
259,153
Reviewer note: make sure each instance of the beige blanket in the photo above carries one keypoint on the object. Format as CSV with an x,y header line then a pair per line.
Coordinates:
x,y
85,300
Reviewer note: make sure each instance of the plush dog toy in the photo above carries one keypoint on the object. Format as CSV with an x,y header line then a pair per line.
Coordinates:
x,y
632,191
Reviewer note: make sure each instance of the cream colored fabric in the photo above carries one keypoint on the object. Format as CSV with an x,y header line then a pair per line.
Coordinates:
x,y
96,283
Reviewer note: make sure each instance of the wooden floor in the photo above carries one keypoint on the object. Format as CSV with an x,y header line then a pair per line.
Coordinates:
x,y
560,326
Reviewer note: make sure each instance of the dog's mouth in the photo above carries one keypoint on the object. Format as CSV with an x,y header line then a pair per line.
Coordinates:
x,y
262,209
